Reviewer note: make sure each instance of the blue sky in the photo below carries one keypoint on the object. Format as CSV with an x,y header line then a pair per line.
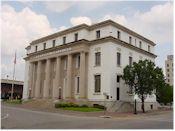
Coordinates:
x,y
152,19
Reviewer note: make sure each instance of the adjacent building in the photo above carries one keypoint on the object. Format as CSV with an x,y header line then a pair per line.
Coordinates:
x,y
169,70
83,63
6,88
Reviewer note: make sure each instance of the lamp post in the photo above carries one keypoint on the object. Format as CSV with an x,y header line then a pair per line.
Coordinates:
x,y
135,106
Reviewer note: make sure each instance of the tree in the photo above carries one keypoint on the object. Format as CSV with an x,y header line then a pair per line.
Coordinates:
x,y
142,78
165,94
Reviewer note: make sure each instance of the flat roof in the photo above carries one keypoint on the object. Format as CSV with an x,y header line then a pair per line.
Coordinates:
x,y
8,81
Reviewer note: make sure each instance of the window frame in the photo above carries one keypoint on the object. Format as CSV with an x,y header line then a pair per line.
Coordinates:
x,y
98,35
118,59
97,58
130,40
97,89
64,40
76,36
53,43
130,60
118,34
44,46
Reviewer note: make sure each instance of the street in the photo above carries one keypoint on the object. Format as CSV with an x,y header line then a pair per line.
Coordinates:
x,y
18,118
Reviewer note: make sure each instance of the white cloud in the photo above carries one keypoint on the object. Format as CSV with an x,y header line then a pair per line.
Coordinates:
x,y
80,20
156,24
121,19
83,6
18,29
58,6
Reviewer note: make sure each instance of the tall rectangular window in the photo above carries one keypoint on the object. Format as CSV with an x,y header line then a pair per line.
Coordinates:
x,y
140,45
44,46
76,36
53,43
97,59
78,84
98,34
97,83
118,78
130,40
118,59
118,93
118,34
130,61
148,48
36,48
64,40
77,64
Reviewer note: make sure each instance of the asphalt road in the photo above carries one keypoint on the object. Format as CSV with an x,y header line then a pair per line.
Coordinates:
x,y
18,118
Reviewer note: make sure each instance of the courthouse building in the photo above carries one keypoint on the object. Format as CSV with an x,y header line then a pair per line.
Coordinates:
x,y
84,62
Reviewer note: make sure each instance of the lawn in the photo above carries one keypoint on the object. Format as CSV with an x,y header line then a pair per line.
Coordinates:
x,y
82,109
13,101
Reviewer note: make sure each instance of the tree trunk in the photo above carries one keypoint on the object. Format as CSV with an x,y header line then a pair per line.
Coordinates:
x,y
143,107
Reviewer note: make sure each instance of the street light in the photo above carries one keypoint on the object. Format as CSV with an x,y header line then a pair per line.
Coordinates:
x,y
135,106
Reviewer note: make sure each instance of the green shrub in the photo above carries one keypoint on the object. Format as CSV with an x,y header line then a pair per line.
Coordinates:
x,y
99,106
84,105
62,105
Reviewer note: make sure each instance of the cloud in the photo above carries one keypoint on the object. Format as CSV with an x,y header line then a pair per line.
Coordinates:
x,y
58,6
121,19
156,24
80,20
20,28
83,6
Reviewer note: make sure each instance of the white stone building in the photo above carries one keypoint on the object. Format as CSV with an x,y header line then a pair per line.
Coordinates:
x,y
82,63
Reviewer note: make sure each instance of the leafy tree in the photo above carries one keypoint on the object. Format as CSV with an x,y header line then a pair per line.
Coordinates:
x,y
165,94
143,78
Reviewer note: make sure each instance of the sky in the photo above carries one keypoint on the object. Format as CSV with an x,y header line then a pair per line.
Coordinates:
x,y
25,21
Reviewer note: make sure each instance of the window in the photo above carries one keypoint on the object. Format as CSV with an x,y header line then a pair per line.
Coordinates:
x,y
118,34
118,59
97,83
168,75
53,43
36,48
118,78
167,65
77,84
130,40
168,80
44,46
98,34
167,70
140,45
118,93
65,64
76,36
130,61
149,48
64,39
77,65
97,59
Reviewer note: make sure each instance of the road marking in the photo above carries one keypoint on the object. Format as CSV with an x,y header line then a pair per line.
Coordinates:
x,y
4,117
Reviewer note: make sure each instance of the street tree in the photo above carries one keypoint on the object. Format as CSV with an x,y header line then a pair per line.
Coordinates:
x,y
142,78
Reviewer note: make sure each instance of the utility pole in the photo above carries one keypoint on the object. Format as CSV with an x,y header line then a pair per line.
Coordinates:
x,y
13,77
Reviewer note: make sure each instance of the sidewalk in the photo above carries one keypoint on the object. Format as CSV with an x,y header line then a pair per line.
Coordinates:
x,y
128,115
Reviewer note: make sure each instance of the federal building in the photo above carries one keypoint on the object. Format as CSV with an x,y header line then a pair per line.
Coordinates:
x,y
84,64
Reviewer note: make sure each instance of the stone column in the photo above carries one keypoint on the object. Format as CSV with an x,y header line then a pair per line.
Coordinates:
x,y
82,75
69,77
30,80
47,79
38,80
56,83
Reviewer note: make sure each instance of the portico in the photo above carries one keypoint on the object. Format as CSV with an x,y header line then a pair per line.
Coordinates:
x,y
53,76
